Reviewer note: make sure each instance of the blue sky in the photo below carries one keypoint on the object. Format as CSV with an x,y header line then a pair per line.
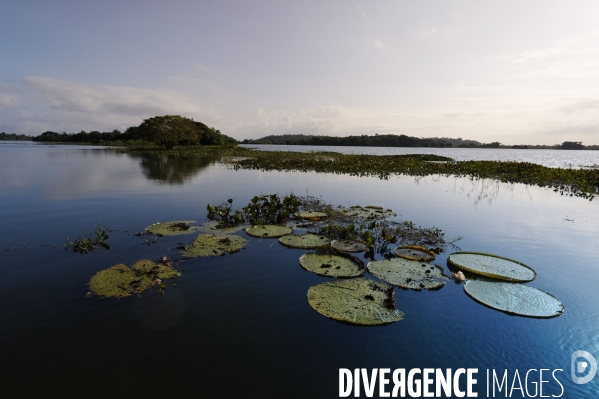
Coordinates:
x,y
508,71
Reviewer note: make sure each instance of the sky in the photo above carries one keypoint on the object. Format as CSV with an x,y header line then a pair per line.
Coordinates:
x,y
516,72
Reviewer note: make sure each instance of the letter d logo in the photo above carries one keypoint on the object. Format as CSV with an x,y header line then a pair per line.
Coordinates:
x,y
580,367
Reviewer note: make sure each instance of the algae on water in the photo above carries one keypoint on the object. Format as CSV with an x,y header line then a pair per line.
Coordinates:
x,y
332,265
408,274
174,228
214,245
120,281
355,301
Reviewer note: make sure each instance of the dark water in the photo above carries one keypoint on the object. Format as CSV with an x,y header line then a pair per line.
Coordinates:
x,y
240,325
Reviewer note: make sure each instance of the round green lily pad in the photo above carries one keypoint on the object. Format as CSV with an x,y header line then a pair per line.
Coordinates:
x,y
332,265
215,227
304,241
172,228
214,245
408,273
368,212
414,252
312,215
517,299
349,246
269,231
356,301
493,266
120,281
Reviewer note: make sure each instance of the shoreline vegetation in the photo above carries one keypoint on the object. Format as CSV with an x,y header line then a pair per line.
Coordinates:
x,y
179,136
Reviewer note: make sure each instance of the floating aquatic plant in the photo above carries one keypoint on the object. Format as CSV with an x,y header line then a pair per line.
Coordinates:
x,y
513,298
332,265
174,228
414,252
355,301
85,244
268,231
214,245
312,215
493,266
408,274
304,241
349,246
121,281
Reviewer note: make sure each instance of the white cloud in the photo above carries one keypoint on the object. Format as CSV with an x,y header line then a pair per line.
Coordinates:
x,y
75,106
380,46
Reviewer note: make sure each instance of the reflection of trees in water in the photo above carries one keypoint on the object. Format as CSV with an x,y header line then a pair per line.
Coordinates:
x,y
172,169
478,189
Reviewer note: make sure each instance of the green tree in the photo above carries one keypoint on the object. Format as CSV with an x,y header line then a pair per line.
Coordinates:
x,y
170,130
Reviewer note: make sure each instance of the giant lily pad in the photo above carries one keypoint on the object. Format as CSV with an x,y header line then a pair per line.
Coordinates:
x,y
356,301
493,266
269,231
414,252
408,273
349,246
332,265
121,281
517,299
172,228
312,215
215,227
214,245
304,241
368,212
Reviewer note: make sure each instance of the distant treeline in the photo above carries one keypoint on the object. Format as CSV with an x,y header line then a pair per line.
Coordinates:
x,y
391,140
168,130
14,136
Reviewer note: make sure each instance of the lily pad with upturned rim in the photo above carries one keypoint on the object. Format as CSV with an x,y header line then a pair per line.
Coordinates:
x,y
175,228
356,301
214,245
410,274
349,246
493,266
414,252
332,265
514,298
312,215
304,241
268,231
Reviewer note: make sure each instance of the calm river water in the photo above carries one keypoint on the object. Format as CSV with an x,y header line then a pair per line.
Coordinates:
x,y
240,325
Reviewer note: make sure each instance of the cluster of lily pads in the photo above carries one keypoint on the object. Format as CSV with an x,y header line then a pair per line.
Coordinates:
x,y
499,285
336,234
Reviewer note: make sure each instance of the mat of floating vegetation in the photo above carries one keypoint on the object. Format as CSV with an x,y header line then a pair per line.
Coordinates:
x,y
493,266
414,252
304,241
215,227
332,265
172,228
356,301
513,298
269,231
368,212
409,274
312,215
121,281
214,245
349,246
